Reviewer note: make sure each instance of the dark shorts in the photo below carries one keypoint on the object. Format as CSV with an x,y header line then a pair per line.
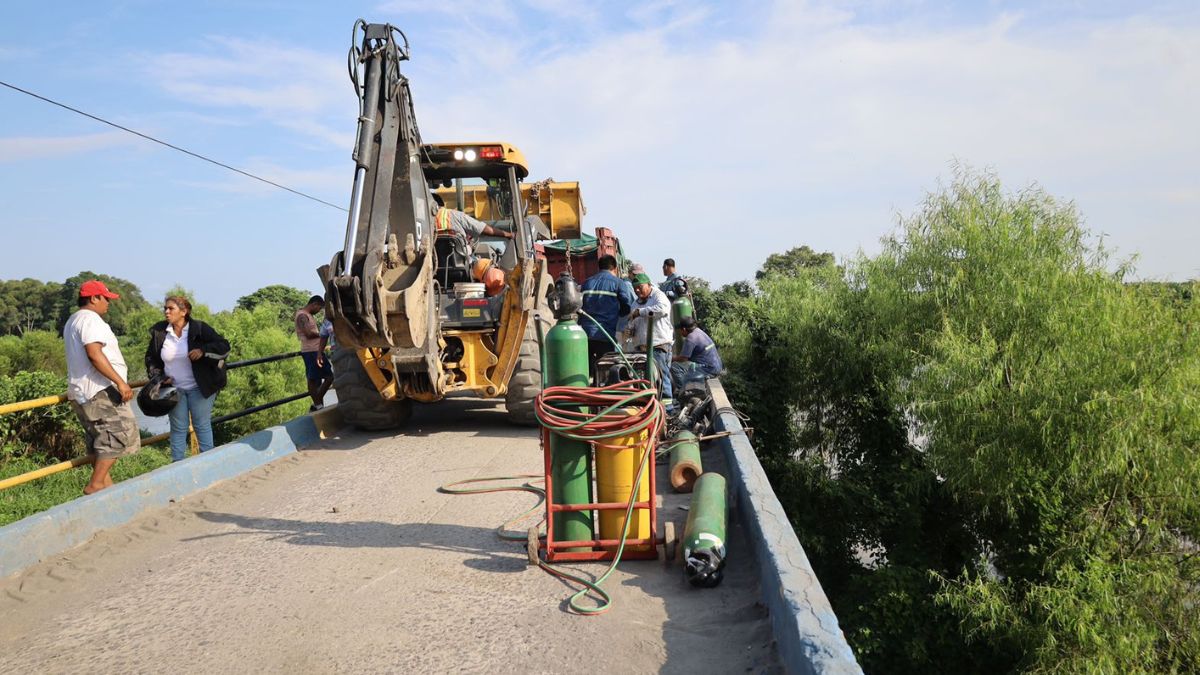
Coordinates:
x,y
314,372
111,428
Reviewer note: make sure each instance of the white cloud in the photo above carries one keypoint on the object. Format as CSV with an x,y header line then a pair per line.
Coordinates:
x,y
305,91
719,145
815,129
325,183
19,148
463,11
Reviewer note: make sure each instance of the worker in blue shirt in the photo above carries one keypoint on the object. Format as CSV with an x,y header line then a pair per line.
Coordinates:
x,y
606,298
669,286
698,357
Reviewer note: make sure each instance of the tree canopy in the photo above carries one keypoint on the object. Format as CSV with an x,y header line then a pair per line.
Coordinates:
x,y
130,303
793,262
28,304
985,440
285,298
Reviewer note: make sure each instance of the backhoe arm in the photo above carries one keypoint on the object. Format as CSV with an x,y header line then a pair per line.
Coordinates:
x,y
377,288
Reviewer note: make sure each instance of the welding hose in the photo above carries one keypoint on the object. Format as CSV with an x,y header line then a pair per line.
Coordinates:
x,y
503,531
616,345
605,600
594,429
562,410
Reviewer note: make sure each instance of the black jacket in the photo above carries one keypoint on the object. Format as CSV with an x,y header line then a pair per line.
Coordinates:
x,y
209,370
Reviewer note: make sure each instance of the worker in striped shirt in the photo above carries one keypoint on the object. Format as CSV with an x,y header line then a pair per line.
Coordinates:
x,y
606,298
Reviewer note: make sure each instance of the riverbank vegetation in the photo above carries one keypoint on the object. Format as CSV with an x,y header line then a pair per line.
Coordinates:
x,y
33,365
985,438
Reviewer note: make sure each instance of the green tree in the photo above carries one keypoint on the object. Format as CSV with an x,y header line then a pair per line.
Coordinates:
x,y
28,304
252,334
715,307
131,301
1005,431
793,261
36,350
49,432
285,299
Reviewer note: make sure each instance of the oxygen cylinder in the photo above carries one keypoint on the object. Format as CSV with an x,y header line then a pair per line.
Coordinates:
x,y
617,463
685,461
680,307
571,462
704,534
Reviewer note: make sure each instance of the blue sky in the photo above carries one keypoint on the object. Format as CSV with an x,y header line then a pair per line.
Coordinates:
x,y
716,133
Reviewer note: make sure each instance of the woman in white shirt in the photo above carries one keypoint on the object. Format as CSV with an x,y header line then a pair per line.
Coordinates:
x,y
191,356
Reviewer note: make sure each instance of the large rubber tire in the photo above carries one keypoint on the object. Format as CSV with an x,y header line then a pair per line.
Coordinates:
x,y
359,401
526,381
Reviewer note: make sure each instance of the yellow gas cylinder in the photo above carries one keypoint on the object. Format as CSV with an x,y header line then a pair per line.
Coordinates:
x,y
617,463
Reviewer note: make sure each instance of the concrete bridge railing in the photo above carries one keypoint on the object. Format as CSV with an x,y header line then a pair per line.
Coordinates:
x,y
806,629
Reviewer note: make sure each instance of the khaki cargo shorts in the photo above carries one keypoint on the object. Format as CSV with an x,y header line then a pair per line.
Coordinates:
x,y
111,428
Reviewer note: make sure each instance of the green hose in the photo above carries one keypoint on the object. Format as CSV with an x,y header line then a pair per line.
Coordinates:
x,y
605,601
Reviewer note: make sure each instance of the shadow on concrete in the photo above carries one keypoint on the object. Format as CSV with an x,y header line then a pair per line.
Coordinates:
x,y
483,418
698,618
492,554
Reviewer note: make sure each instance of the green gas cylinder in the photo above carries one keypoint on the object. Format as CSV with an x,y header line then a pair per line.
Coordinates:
x,y
704,534
680,307
571,460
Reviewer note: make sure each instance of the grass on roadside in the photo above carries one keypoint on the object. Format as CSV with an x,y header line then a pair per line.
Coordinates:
x,y
25,500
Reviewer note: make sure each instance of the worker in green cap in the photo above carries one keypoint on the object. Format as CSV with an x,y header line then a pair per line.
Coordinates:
x,y
653,305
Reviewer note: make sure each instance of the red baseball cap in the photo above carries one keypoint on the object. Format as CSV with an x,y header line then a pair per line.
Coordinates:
x,y
94,288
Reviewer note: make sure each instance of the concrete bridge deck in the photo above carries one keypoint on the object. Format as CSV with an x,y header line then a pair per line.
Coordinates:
x,y
345,558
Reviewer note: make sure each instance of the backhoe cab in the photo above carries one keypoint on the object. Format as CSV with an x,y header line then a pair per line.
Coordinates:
x,y
420,309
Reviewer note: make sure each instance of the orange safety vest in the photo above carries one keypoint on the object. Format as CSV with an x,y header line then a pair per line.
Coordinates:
x,y
443,219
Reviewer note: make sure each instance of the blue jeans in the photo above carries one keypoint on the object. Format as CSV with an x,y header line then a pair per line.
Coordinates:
x,y
662,359
683,372
191,403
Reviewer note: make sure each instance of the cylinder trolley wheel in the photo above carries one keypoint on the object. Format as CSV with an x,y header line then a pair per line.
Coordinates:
x,y
531,546
670,543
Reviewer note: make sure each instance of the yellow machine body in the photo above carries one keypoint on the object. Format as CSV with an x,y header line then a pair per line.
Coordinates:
x,y
487,361
558,204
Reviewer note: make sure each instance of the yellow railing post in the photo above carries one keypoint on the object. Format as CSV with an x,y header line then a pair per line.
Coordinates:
x,y
45,471
193,441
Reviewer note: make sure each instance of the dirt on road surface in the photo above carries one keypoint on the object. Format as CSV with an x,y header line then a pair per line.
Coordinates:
x,y
344,558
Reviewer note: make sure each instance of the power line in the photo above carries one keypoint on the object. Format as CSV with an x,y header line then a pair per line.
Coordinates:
x,y
173,147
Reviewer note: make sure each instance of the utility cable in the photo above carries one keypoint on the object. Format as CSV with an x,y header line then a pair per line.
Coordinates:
x,y
173,147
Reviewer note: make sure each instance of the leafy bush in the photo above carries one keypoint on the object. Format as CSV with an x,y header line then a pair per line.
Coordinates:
x,y
253,334
34,350
48,432
986,442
